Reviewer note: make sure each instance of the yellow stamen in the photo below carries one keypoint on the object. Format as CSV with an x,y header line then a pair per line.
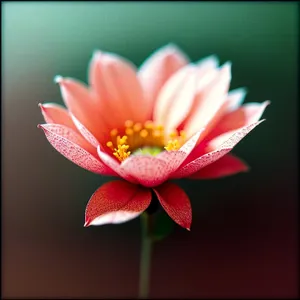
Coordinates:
x,y
137,127
160,127
110,145
121,152
144,133
113,132
172,145
156,133
129,131
137,135
128,123
148,125
175,144
173,134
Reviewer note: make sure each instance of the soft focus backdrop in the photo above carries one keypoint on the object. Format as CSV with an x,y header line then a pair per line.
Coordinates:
x,y
243,241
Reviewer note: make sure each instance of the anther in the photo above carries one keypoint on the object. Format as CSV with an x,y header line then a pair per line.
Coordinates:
x,y
137,127
110,145
144,133
128,123
129,131
113,132
148,125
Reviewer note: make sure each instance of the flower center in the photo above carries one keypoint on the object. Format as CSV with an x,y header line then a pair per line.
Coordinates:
x,y
147,138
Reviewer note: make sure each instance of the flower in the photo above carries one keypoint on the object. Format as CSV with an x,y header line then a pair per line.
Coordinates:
x,y
169,119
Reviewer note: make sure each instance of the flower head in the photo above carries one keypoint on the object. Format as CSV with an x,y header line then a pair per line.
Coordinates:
x,y
169,119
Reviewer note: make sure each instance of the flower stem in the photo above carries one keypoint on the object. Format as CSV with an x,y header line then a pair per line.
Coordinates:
x,y
145,256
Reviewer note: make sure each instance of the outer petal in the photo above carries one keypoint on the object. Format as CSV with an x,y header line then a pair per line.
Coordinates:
x,y
176,98
176,203
149,171
206,159
116,202
115,82
75,148
158,68
225,166
209,102
85,133
245,115
57,114
81,103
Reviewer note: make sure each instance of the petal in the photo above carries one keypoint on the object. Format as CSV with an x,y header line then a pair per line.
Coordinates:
x,y
245,115
149,171
84,132
176,98
57,114
176,203
225,166
81,103
115,165
209,102
207,71
208,158
182,103
175,158
116,202
208,63
235,99
118,89
74,147
158,68
204,82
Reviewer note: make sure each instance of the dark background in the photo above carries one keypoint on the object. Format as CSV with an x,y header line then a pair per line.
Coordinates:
x,y
243,241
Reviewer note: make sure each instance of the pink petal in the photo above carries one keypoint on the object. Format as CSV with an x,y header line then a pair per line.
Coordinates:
x,y
57,114
116,202
209,102
176,203
225,166
233,101
235,98
245,115
207,70
149,171
81,103
176,98
75,148
223,148
115,165
208,63
85,133
175,158
158,68
118,89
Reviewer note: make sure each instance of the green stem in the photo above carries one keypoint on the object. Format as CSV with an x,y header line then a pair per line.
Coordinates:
x,y
145,256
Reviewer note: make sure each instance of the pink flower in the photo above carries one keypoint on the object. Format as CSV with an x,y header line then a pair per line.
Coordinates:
x,y
169,119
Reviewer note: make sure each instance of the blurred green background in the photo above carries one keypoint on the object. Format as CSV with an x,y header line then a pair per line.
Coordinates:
x,y
243,239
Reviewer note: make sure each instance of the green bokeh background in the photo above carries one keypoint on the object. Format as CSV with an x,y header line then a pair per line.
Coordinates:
x,y
244,227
